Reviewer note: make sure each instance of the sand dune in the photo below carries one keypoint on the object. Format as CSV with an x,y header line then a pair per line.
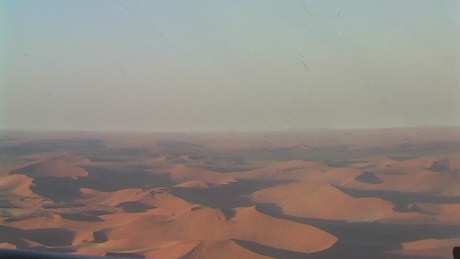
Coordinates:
x,y
16,198
74,158
16,186
85,231
439,248
319,194
443,213
415,181
290,170
257,227
422,162
194,177
54,167
94,197
183,173
211,225
195,184
324,201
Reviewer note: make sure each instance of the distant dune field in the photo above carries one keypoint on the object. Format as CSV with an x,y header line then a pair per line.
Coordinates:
x,y
389,193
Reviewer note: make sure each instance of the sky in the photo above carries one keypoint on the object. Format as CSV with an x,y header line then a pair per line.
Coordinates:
x,y
258,65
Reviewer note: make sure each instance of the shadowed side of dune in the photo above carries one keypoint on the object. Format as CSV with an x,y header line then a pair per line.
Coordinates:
x,y
401,199
226,196
332,252
108,180
135,206
54,167
66,189
100,237
84,216
50,236
363,239
44,236
368,177
57,189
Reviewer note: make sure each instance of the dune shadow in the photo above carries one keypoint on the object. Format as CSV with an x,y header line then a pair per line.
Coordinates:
x,y
86,217
366,239
44,236
225,196
134,206
368,177
57,189
50,236
107,180
100,237
399,198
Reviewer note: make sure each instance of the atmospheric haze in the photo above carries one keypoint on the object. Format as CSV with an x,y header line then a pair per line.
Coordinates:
x,y
228,65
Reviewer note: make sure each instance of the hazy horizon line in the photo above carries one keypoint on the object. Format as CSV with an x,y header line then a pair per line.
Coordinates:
x,y
293,130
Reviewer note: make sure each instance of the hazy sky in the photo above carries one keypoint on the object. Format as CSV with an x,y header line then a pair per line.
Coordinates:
x,y
228,65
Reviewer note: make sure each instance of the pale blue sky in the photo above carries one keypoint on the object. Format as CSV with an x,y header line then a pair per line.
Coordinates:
x,y
228,65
